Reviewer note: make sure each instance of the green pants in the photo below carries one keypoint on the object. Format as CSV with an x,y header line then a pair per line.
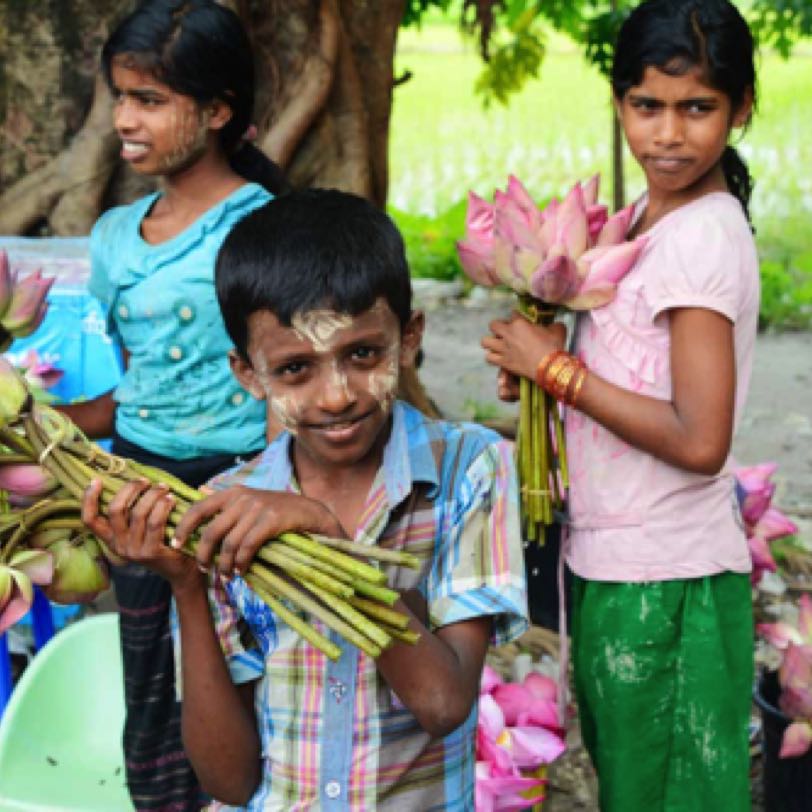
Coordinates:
x,y
663,677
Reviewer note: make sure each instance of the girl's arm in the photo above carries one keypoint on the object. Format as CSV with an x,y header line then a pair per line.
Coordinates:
x,y
693,430
219,727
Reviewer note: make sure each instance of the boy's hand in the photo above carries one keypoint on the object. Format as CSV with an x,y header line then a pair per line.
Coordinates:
x,y
240,520
517,345
135,528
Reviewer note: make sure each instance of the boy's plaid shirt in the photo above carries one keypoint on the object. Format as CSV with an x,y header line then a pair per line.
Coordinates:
x,y
334,736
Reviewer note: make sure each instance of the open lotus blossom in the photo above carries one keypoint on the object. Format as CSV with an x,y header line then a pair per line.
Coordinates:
x,y
794,676
25,568
763,522
570,253
22,302
518,732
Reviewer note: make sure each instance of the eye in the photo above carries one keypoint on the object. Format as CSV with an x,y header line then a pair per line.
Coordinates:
x,y
366,354
644,105
291,370
700,108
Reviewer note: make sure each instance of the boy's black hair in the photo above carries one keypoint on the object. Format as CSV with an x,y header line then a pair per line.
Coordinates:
x,y
306,250
678,35
199,49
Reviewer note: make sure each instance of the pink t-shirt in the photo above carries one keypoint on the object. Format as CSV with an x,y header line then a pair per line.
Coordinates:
x,y
635,517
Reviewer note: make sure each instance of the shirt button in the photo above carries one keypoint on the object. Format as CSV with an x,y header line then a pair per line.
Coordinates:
x,y
175,353
143,413
185,312
332,789
123,311
237,398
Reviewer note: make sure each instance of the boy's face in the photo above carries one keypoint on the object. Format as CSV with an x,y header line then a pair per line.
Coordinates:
x,y
330,378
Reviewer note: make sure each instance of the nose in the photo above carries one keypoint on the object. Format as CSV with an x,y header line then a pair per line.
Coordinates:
x,y
670,132
335,395
124,118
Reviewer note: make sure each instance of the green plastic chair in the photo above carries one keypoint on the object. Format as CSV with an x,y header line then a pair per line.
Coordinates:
x,y
60,735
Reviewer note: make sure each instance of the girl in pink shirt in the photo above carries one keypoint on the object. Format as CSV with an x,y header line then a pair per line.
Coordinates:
x,y
662,621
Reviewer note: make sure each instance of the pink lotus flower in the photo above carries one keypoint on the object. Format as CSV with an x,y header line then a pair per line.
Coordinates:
x,y
38,373
517,732
570,253
27,307
26,567
794,676
25,481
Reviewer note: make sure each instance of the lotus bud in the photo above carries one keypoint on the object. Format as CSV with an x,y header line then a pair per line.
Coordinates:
x,y
27,306
572,227
13,393
591,189
80,571
596,218
616,227
26,568
521,197
554,280
26,480
796,741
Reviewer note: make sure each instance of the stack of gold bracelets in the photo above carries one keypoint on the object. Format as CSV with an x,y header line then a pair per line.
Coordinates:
x,y
562,375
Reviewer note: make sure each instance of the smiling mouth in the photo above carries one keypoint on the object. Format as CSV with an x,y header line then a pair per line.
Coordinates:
x,y
133,149
667,163
339,428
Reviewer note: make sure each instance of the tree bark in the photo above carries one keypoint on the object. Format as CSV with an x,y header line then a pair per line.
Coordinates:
x,y
324,97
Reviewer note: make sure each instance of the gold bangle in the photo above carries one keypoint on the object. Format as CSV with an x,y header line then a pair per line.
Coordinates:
x,y
544,364
577,385
551,373
563,380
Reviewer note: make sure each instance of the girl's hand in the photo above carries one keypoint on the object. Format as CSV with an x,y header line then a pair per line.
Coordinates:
x,y
240,520
507,386
135,528
517,346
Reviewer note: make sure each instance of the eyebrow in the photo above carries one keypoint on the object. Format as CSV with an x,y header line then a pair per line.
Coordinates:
x,y
693,100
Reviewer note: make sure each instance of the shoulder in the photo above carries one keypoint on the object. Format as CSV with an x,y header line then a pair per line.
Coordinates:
x,y
119,220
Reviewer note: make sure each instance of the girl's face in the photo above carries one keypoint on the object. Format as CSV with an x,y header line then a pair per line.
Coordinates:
x,y
162,132
677,128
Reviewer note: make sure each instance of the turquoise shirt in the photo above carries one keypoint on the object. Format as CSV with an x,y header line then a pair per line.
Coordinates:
x,y
178,396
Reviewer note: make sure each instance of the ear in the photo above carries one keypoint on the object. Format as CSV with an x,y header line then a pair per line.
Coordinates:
x,y
742,116
219,114
411,337
244,373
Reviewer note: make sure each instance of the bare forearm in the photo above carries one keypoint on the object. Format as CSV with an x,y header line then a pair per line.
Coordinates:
x,y
94,417
437,680
219,731
655,426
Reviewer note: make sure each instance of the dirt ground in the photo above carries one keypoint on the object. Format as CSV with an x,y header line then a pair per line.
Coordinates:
x,y
777,425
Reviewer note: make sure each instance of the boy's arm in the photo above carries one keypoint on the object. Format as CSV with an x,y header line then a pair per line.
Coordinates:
x,y
219,729
476,594
438,678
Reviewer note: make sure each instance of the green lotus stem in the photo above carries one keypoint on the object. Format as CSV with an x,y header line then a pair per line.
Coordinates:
x,y
16,441
12,458
339,559
386,616
296,623
273,554
365,627
29,519
404,635
562,450
287,590
375,591
375,553
316,564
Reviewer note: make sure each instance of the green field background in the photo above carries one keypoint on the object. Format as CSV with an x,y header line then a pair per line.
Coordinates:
x,y
557,130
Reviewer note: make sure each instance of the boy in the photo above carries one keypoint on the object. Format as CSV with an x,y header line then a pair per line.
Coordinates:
x,y
315,294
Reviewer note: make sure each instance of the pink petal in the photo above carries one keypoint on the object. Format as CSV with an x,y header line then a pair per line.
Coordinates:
x,y
37,565
491,720
477,264
797,740
591,299
543,713
609,264
513,698
795,676
616,227
805,618
490,679
26,479
479,218
760,553
773,525
18,599
572,229
541,686
519,194
596,217
779,634
753,477
533,746
554,279
591,189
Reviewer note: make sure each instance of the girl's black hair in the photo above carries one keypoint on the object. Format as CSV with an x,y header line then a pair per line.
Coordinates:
x,y
678,35
307,250
200,49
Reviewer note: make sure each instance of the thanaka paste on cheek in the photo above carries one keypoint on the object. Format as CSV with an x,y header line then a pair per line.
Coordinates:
x,y
190,128
287,409
382,383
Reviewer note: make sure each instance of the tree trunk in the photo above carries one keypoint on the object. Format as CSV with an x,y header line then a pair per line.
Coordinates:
x,y
324,97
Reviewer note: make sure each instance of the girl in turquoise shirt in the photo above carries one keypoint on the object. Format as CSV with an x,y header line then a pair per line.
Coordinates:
x,y
182,77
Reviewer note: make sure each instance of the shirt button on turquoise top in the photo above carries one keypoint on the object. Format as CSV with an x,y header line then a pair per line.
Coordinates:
x,y
237,398
123,311
143,413
185,312
175,353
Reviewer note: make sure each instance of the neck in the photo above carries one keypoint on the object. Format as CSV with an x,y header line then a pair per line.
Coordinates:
x,y
203,184
662,202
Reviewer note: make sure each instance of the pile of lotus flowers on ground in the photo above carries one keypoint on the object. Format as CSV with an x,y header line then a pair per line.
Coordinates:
x,y
570,254
764,523
22,302
46,465
794,642
518,735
